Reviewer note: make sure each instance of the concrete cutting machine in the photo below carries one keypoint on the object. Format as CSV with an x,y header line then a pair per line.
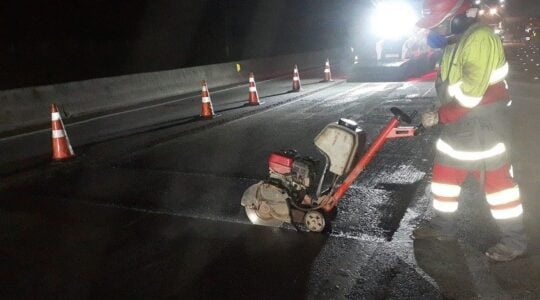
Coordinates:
x,y
291,195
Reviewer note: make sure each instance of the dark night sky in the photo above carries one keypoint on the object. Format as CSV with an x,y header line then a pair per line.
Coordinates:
x,y
59,40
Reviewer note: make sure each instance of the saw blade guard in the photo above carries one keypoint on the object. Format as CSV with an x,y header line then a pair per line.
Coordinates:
x,y
265,205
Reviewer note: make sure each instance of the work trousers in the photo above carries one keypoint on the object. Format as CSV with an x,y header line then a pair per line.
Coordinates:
x,y
502,195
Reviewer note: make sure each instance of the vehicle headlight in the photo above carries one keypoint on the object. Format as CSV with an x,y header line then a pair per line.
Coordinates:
x,y
393,19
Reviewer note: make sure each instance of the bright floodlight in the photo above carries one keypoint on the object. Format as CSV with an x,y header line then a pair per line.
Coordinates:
x,y
393,19
493,11
477,2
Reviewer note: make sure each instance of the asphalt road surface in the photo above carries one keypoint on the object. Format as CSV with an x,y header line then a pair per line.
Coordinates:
x,y
150,207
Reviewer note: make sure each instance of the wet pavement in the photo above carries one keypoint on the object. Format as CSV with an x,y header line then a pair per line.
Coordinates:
x,y
157,213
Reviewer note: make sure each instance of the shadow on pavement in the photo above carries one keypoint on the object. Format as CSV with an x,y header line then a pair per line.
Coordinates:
x,y
275,95
393,211
65,249
274,266
445,263
231,108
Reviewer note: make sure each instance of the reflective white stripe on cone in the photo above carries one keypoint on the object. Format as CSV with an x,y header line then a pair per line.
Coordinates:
x,y
56,134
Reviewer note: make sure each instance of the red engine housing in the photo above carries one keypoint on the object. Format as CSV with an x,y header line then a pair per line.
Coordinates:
x,y
280,163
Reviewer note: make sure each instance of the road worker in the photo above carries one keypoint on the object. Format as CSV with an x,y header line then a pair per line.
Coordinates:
x,y
474,139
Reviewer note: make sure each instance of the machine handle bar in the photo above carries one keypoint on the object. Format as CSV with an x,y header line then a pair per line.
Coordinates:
x,y
375,146
402,116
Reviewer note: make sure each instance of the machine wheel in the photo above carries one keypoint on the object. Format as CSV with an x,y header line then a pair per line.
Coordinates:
x,y
259,217
314,221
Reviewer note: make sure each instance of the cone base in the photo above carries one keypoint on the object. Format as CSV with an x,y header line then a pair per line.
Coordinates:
x,y
59,159
209,117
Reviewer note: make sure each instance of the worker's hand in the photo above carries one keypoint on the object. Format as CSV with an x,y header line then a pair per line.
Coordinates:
x,y
430,119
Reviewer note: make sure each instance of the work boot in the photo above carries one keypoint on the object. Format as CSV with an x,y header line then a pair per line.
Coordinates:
x,y
503,253
513,242
440,227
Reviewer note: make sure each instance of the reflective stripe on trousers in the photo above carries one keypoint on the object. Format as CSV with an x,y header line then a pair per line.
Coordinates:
x,y
502,193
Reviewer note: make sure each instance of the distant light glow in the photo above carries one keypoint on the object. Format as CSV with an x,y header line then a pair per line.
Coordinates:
x,y
477,2
393,19
493,11
481,12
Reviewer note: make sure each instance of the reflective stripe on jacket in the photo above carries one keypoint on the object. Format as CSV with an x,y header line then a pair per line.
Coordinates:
x,y
478,63
474,102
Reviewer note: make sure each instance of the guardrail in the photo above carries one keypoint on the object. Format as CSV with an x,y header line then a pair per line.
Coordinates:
x,y
27,108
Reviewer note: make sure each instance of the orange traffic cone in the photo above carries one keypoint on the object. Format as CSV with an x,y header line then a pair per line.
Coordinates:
x,y
327,72
60,142
253,98
207,111
296,80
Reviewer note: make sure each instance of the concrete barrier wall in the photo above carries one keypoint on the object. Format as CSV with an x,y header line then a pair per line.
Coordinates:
x,y
29,107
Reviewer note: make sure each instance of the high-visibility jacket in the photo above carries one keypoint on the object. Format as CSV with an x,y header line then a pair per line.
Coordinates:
x,y
474,96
